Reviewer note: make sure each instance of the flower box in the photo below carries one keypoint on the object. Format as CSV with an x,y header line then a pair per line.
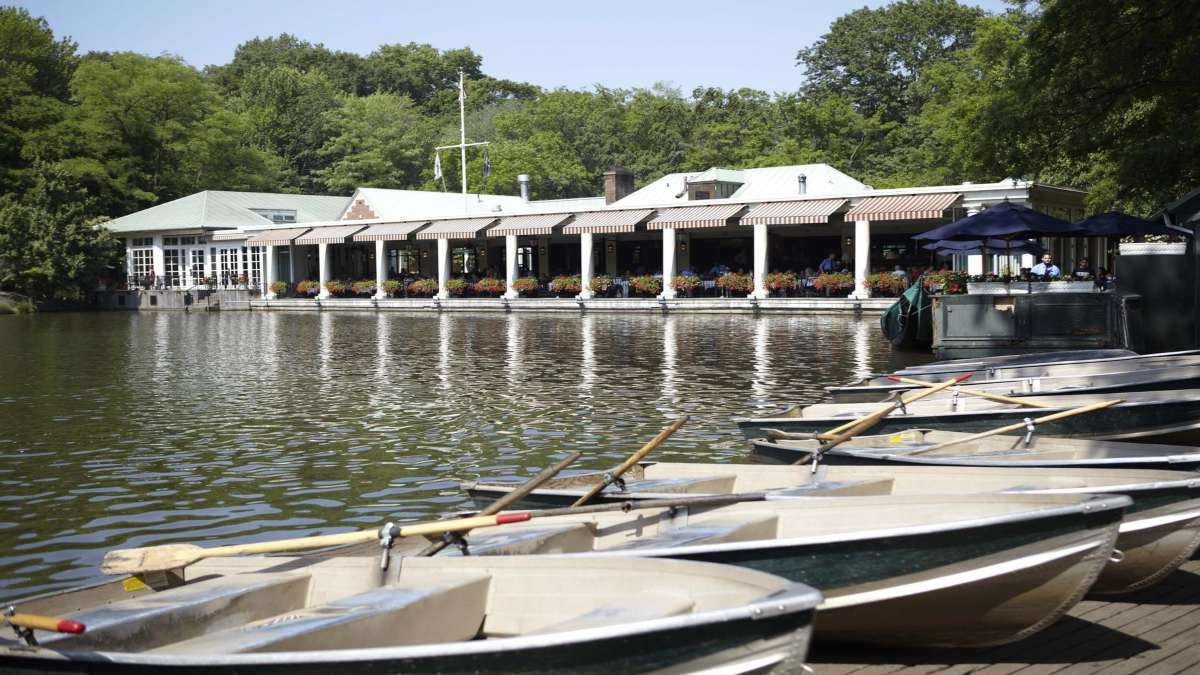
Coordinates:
x,y
1153,248
994,288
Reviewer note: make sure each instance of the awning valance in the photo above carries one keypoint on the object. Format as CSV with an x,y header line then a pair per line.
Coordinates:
x,y
463,228
230,236
607,222
328,235
690,217
281,237
524,226
805,212
903,207
390,231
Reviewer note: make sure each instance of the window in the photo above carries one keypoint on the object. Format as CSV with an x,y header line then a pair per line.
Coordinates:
x,y
525,260
462,260
277,215
173,262
403,261
141,262
170,241
142,241
227,272
187,241
197,265
702,194
254,274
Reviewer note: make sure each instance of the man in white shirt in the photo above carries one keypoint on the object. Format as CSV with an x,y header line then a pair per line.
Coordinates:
x,y
1046,267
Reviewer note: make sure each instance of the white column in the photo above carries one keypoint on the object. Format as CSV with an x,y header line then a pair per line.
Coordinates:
x,y
586,264
323,266
292,263
760,262
975,263
443,267
160,263
268,271
510,266
668,270
862,258
380,269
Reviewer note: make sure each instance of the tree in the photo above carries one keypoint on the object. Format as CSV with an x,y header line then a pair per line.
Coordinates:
x,y
380,140
344,70
873,57
287,111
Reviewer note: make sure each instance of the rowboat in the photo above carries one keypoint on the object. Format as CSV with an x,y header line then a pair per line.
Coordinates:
x,y
1006,360
1168,417
1150,379
545,614
1043,365
1160,530
952,570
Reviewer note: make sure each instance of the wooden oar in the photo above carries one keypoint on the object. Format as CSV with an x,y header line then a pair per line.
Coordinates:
x,y
905,399
48,623
612,476
171,556
979,393
1019,426
511,498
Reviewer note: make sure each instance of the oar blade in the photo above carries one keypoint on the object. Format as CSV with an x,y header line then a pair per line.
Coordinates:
x,y
150,559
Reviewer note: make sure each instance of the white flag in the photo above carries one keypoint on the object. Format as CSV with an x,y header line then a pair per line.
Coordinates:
x,y
437,166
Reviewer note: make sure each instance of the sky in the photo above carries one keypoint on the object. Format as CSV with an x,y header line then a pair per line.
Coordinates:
x,y
621,44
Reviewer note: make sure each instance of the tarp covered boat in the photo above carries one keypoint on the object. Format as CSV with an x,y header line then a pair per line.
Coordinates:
x,y
467,615
908,323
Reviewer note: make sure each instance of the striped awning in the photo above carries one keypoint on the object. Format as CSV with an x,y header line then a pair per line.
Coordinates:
x,y
607,222
524,226
230,236
390,231
691,217
463,228
806,212
281,237
327,235
903,207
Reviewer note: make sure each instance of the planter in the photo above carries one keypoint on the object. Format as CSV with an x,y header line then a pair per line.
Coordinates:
x,y
994,288
1153,248
1062,287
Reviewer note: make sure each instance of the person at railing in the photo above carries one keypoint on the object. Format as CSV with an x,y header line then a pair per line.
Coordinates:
x,y
1083,269
1046,268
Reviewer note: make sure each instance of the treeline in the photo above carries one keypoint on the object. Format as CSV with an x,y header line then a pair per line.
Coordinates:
x,y
1095,94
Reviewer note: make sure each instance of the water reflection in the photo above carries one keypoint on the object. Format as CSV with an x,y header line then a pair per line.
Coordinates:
x,y
120,429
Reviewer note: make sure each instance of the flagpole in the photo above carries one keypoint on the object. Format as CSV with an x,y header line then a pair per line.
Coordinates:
x,y
462,135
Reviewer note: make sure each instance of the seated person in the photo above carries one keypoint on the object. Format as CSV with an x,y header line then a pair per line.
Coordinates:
x,y
1046,268
1083,270
899,272
830,264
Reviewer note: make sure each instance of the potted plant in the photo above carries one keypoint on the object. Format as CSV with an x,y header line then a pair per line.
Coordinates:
x,y
423,287
335,287
885,284
391,287
456,287
646,286
489,286
686,284
279,287
527,286
833,282
780,282
566,285
308,287
734,283
364,287
601,285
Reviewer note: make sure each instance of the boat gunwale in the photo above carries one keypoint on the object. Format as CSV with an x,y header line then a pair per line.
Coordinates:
x,y
1110,359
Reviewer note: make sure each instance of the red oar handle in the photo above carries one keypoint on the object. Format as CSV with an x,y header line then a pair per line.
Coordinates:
x,y
50,623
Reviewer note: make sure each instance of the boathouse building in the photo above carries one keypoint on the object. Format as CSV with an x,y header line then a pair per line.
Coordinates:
x,y
758,220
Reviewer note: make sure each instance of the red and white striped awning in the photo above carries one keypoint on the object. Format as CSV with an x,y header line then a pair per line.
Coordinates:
x,y
337,234
390,231
230,236
903,207
281,237
805,212
691,217
607,222
462,228
524,226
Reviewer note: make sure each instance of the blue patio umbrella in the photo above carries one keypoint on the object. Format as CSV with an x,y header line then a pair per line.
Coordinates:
x,y
1005,220
1117,224
974,247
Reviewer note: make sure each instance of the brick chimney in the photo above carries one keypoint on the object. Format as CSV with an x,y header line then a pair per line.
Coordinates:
x,y
618,183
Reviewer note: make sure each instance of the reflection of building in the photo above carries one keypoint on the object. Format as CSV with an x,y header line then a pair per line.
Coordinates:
x,y
758,220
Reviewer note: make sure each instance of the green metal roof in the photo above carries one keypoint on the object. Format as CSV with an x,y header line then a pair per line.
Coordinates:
x,y
221,209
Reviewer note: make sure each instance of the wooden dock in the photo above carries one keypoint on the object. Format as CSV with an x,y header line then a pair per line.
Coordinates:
x,y
1155,631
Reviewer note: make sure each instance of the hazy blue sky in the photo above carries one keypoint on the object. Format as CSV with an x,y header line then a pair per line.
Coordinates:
x,y
552,44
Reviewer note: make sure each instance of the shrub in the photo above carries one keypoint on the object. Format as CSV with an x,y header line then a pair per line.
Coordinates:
x,y
736,283
335,287
780,281
423,287
885,283
489,286
391,286
308,287
566,285
525,285
946,282
646,285
685,283
18,307
456,287
601,284
363,286
279,287
834,282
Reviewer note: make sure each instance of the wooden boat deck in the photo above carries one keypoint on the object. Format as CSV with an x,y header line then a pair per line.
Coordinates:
x,y
1154,631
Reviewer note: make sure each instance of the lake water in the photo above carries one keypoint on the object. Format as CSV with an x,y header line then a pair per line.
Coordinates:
x,y
125,429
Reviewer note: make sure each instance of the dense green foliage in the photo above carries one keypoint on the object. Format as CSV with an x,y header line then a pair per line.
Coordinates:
x,y
1097,94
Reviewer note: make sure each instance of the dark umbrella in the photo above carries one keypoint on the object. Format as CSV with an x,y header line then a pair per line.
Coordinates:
x,y
1117,224
1007,220
972,247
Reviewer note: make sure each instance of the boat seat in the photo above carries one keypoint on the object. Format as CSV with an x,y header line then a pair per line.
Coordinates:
x,y
715,530
642,608
509,540
185,612
419,611
851,488
718,484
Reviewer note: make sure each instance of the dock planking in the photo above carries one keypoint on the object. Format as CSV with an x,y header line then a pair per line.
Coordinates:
x,y
1155,631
